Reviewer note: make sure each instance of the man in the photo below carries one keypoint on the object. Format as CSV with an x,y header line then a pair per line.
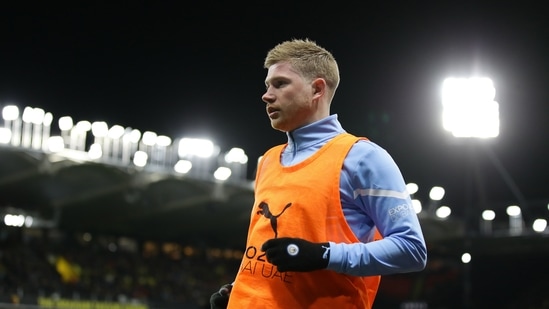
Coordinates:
x,y
331,211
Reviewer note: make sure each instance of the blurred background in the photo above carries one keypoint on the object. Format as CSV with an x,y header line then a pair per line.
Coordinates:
x,y
131,130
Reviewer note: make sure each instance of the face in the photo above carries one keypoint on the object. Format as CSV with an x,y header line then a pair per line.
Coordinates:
x,y
289,98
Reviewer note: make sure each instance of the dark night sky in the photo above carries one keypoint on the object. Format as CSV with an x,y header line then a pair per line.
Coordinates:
x,y
186,68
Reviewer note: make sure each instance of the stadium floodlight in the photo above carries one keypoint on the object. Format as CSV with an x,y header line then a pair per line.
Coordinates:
x,y
55,144
183,166
130,140
48,119
236,155
37,116
539,225
160,154
14,220
222,173
37,121
149,138
436,193
163,141
416,204
82,127
95,152
202,148
237,160
140,158
5,135
513,211
435,196
469,109
135,135
65,123
443,212
412,188
99,129
515,219
488,216
115,134
10,114
28,115
46,122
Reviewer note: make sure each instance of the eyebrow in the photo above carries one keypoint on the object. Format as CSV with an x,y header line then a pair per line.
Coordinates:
x,y
275,78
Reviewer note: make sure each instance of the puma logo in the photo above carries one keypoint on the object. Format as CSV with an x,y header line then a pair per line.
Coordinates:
x,y
264,210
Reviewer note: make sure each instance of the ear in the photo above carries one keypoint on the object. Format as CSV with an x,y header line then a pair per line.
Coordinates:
x,y
319,87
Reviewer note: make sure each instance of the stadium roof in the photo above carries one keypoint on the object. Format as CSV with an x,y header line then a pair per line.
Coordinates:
x,y
94,197
79,196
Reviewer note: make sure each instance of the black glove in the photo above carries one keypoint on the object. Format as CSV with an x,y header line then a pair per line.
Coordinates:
x,y
295,254
220,299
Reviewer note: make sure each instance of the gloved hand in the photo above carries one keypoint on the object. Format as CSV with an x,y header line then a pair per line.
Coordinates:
x,y
295,254
220,299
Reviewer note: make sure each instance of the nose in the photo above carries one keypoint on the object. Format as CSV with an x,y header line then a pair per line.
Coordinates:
x,y
268,97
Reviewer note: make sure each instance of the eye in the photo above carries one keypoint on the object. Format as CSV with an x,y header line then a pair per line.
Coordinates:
x,y
279,83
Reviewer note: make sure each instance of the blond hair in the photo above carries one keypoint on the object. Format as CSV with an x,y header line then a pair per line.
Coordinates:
x,y
308,58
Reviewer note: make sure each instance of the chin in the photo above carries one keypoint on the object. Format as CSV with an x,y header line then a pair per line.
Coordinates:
x,y
278,127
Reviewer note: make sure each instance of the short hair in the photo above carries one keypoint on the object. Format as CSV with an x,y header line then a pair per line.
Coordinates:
x,y
308,58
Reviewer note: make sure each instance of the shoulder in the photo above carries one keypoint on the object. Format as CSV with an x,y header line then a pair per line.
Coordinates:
x,y
366,153
364,146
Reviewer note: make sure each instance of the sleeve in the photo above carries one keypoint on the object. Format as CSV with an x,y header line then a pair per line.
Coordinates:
x,y
379,193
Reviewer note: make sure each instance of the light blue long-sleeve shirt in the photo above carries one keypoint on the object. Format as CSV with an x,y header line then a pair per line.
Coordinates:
x,y
373,194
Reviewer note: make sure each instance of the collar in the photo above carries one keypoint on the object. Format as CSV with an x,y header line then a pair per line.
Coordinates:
x,y
314,133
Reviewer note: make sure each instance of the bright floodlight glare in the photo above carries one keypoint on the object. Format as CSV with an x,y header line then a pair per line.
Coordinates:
x,y
236,155
5,135
163,141
55,144
28,114
14,220
95,151
37,115
417,205
539,225
83,126
466,258
222,173
195,146
436,193
65,123
469,109
10,112
412,188
183,166
513,211
135,135
149,138
28,221
140,158
48,118
99,128
116,131
443,212
488,215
